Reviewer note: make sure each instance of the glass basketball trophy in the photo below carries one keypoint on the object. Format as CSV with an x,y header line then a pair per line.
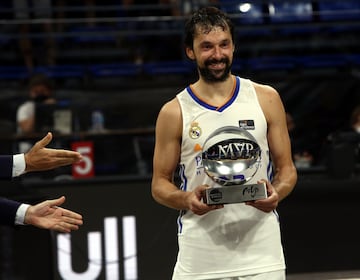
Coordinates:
x,y
231,157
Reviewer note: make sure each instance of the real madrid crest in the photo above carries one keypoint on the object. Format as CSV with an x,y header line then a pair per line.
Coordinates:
x,y
194,131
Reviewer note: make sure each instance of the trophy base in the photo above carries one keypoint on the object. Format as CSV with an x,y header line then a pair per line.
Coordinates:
x,y
235,194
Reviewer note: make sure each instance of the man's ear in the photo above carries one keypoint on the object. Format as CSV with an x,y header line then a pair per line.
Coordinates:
x,y
190,53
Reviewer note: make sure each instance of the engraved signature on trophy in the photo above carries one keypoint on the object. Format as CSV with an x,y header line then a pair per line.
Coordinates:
x,y
251,190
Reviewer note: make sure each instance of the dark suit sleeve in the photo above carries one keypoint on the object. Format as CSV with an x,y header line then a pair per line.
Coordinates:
x,y
8,210
6,166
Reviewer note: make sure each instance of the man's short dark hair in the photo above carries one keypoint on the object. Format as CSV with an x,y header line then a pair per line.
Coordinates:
x,y
40,79
206,18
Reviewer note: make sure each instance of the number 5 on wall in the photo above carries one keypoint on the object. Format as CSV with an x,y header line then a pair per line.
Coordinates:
x,y
84,168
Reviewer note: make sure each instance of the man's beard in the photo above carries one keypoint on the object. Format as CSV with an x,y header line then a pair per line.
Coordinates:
x,y
209,75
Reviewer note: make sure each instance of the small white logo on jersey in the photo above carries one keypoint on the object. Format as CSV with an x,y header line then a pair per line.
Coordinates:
x,y
194,131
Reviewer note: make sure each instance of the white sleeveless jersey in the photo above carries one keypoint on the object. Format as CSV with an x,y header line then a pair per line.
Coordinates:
x,y
238,239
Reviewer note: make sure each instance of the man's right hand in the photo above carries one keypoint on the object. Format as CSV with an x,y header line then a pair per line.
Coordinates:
x,y
40,158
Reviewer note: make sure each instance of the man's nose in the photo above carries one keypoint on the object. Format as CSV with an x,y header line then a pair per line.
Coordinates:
x,y
217,53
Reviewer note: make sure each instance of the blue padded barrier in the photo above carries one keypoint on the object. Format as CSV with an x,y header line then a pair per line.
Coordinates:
x,y
88,34
323,61
114,69
339,10
169,67
63,71
13,72
272,63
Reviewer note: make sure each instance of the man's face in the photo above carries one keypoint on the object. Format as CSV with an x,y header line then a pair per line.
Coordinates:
x,y
40,93
213,52
40,90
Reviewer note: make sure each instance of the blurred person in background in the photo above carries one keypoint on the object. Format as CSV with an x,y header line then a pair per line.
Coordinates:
x,y
301,156
40,90
25,10
154,47
89,10
343,146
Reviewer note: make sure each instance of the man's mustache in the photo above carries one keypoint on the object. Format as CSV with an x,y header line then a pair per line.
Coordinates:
x,y
214,61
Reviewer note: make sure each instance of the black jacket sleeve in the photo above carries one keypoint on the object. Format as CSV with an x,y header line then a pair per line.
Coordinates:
x,y
8,210
6,166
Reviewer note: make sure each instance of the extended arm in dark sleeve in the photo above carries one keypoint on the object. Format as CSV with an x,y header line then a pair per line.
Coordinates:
x,y
6,166
8,210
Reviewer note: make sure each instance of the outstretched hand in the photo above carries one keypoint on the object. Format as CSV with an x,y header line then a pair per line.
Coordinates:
x,y
40,158
48,215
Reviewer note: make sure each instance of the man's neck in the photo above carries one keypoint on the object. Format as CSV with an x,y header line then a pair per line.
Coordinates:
x,y
214,93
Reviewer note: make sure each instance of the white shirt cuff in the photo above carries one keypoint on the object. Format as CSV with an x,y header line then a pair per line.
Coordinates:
x,y
20,214
19,165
